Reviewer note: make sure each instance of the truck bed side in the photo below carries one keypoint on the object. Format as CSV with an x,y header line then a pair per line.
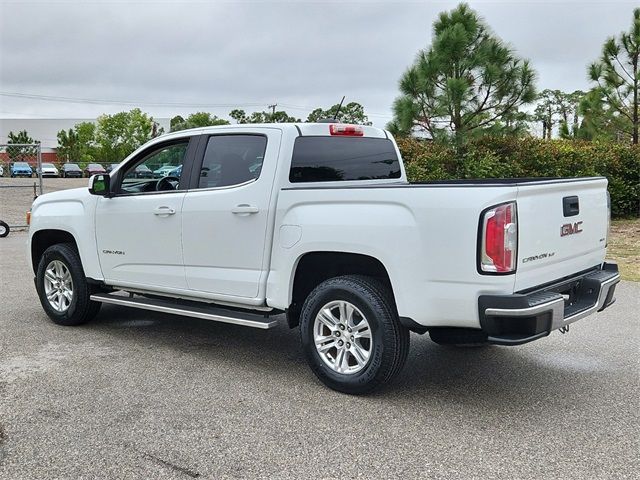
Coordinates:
x,y
425,238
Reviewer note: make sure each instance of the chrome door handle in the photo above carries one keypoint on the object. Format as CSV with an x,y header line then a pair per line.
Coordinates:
x,y
244,209
164,211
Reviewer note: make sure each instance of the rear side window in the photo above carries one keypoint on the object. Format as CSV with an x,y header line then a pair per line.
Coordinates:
x,y
232,160
333,159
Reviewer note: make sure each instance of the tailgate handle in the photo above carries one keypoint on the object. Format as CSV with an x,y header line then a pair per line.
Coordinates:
x,y
570,206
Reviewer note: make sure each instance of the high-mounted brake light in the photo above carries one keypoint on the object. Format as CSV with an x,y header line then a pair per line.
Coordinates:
x,y
346,130
499,239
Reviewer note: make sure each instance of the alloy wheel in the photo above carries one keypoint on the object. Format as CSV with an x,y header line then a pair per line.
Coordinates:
x,y
342,336
58,286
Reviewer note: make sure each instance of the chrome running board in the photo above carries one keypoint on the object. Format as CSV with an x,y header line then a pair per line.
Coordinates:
x,y
189,309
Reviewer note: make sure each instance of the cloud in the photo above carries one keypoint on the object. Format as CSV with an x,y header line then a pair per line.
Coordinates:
x,y
299,54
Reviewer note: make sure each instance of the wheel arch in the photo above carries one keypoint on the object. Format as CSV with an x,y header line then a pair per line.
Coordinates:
x,y
312,268
43,239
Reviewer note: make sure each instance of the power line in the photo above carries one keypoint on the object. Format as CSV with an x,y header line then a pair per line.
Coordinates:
x,y
95,101
307,108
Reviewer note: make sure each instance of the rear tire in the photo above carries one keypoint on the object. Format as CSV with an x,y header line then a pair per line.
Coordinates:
x,y
62,286
370,355
4,229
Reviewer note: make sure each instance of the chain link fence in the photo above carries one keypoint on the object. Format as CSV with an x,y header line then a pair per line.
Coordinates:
x,y
20,182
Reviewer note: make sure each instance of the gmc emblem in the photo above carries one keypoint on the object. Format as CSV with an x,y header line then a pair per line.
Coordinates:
x,y
570,229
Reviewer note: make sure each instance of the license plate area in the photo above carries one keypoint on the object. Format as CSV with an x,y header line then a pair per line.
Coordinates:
x,y
570,292
578,292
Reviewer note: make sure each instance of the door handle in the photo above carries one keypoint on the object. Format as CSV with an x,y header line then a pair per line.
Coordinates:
x,y
244,209
164,211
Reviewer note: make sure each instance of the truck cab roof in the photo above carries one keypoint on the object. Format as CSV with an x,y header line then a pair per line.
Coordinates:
x,y
302,129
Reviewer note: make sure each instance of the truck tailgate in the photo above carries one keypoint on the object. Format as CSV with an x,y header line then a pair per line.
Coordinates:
x,y
562,229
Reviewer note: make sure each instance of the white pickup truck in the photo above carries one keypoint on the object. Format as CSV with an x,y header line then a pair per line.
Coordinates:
x,y
318,221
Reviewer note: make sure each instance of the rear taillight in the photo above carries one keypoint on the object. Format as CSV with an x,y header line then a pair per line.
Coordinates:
x,y
499,239
608,218
346,130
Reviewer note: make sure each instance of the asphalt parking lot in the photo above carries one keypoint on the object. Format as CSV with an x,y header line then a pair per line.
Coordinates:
x,y
136,394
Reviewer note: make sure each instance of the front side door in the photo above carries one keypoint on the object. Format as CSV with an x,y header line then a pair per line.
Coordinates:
x,y
225,218
139,229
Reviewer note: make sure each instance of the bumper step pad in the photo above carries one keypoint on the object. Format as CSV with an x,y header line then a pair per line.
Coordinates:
x,y
523,317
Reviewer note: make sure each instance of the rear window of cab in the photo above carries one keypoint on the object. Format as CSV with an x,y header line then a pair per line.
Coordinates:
x,y
334,159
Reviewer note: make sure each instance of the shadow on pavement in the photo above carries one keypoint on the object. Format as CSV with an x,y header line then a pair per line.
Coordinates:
x,y
495,377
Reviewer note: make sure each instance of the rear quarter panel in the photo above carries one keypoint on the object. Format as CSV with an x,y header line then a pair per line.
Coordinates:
x,y
425,236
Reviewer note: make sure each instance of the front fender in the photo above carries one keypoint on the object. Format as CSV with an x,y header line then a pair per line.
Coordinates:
x,y
71,211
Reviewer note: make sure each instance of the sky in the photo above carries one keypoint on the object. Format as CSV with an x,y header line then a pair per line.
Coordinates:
x,y
80,59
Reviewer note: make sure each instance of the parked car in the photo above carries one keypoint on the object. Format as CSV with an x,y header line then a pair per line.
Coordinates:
x,y
70,170
49,170
1,171
21,169
176,172
94,169
163,171
329,232
142,171
111,167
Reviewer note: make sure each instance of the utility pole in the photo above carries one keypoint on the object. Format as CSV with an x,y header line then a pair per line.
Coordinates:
x,y
273,111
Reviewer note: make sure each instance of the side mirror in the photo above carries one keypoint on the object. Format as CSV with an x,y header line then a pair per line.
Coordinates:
x,y
100,185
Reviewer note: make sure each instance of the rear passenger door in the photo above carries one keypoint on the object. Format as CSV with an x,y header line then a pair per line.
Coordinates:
x,y
226,212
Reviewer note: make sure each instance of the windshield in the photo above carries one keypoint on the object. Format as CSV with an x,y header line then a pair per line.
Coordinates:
x,y
21,164
48,165
71,166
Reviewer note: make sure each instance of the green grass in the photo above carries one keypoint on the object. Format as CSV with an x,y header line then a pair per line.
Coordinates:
x,y
624,247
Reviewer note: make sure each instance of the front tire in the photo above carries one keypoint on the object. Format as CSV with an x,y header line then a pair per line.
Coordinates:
x,y
62,286
351,334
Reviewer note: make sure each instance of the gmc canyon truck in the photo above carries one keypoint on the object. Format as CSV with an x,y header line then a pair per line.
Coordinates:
x,y
318,221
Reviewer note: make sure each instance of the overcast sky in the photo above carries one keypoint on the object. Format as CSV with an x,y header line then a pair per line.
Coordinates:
x,y
300,54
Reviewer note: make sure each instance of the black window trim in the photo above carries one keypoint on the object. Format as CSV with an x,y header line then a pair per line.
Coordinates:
x,y
138,159
194,182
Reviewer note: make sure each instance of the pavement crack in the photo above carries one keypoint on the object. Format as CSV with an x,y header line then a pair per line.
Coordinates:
x,y
171,465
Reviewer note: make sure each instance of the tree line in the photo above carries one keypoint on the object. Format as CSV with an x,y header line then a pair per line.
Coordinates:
x,y
466,83
112,137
